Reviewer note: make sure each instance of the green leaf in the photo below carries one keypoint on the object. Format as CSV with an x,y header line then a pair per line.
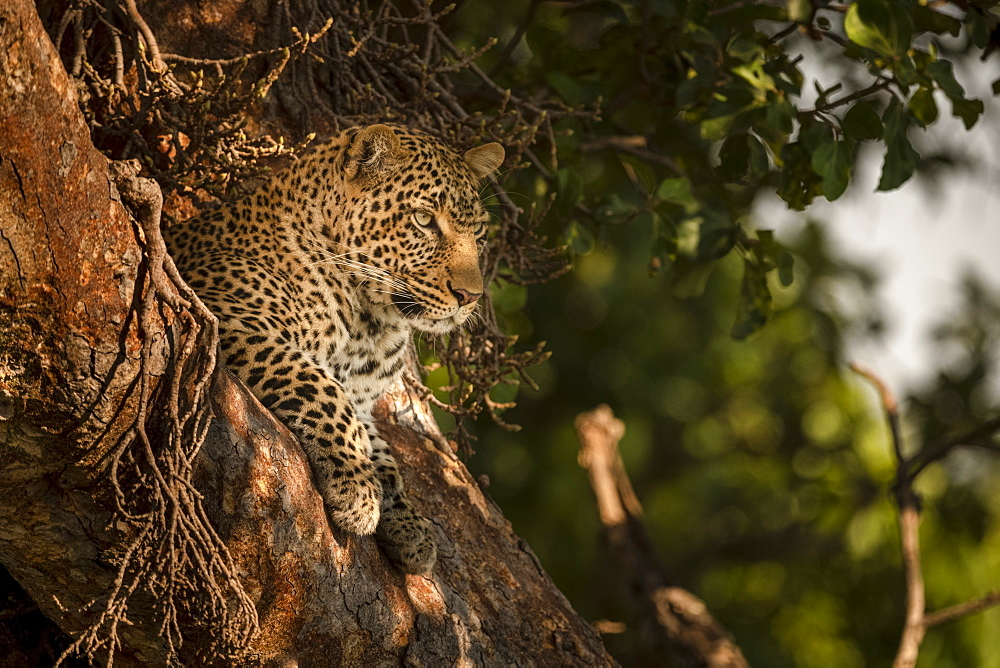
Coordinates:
x,y
862,122
734,157
569,190
566,86
716,234
664,237
729,100
688,278
906,72
799,10
744,48
900,158
926,19
814,135
760,163
943,72
799,183
923,107
676,191
786,268
614,209
508,297
780,115
605,8
969,110
715,129
753,73
578,238
776,255
833,161
693,91
880,25
754,305
665,8
979,29
643,171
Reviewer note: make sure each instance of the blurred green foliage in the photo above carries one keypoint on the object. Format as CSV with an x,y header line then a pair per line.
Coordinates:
x,y
764,465
705,104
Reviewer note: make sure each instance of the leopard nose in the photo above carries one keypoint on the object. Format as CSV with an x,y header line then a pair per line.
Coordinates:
x,y
464,296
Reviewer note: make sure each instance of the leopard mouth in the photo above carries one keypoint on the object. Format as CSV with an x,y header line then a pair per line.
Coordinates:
x,y
407,304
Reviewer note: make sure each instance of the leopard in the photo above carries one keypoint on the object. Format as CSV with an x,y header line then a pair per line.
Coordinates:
x,y
321,277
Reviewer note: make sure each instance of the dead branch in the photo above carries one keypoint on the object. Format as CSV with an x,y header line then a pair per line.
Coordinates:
x,y
674,623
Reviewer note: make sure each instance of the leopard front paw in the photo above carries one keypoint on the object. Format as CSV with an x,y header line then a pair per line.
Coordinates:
x,y
407,538
354,504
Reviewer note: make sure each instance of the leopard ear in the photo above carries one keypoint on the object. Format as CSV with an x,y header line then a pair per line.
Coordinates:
x,y
485,159
372,153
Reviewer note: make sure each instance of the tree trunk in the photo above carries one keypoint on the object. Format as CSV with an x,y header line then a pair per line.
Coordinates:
x,y
71,362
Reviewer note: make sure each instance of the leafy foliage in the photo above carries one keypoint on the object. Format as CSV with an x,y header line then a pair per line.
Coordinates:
x,y
763,467
705,104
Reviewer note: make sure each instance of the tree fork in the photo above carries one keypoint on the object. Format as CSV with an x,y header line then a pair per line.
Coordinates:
x,y
70,356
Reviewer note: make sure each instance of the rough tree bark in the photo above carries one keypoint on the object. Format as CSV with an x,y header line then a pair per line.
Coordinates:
x,y
69,359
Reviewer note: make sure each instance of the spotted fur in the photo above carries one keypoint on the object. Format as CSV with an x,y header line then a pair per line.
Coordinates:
x,y
319,279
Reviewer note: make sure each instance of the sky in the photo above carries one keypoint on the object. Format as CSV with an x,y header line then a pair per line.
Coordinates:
x,y
923,238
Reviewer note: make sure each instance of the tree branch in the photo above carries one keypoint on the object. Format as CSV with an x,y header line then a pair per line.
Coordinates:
x,y
917,619
75,348
673,622
960,610
879,85
937,451
909,529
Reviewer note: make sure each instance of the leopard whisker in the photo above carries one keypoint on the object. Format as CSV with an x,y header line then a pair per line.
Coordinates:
x,y
368,271
366,274
361,252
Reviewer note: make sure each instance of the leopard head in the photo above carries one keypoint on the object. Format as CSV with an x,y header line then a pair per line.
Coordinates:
x,y
415,223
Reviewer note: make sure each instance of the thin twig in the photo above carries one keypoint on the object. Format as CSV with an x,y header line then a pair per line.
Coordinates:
x,y
935,452
960,610
879,85
635,145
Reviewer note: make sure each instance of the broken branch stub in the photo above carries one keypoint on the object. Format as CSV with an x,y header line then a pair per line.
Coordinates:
x,y
673,624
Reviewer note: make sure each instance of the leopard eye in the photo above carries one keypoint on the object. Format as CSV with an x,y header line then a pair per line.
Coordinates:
x,y
480,229
423,219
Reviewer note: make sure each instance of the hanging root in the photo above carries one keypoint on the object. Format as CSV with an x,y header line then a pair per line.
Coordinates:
x,y
173,556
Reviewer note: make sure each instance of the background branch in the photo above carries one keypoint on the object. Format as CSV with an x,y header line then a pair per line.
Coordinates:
x,y
917,619
672,621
